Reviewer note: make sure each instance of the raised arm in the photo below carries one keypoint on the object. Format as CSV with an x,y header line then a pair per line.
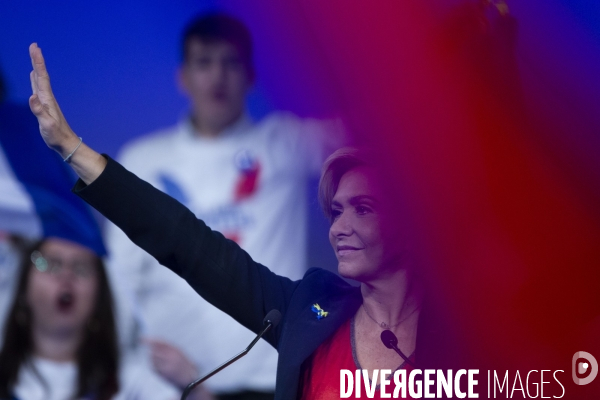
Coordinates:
x,y
54,128
217,268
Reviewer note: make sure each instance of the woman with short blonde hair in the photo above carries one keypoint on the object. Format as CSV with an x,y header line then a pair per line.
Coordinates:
x,y
328,325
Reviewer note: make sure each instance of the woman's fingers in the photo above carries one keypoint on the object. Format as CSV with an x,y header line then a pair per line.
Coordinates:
x,y
33,84
41,77
40,86
35,105
53,126
34,101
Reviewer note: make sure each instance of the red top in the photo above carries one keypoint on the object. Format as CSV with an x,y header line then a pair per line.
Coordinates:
x,y
321,375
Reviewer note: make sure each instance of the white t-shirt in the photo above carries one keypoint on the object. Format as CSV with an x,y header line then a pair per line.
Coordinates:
x,y
9,265
136,382
250,184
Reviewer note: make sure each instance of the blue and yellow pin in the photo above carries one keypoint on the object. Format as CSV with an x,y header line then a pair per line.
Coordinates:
x,y
319,311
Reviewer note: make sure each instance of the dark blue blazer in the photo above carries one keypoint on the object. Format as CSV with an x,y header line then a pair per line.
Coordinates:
x,y
225,275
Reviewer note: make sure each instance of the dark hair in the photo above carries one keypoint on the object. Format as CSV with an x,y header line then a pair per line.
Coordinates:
x,y
211,28
97,356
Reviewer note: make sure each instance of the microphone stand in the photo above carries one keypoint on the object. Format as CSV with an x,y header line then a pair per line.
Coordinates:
x,y
391,342
195,383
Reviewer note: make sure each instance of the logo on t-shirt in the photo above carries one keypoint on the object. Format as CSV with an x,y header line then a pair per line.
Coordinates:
x,y
229,219
249,171
173,189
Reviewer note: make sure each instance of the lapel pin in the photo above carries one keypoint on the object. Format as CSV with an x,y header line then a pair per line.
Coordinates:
x,y
319,311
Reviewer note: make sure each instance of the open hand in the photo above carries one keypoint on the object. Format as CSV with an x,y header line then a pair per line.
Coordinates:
x,y
53,126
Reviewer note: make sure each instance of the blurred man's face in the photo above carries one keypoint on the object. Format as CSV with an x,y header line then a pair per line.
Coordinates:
x,y
216,81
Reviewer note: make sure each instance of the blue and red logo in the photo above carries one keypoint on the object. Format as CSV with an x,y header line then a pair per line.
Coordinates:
x,y
249,169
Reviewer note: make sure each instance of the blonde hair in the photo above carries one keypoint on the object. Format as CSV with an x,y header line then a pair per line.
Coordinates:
x,y
336,165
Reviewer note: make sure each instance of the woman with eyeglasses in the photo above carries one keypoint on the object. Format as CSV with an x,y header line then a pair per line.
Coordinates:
x,y
60,338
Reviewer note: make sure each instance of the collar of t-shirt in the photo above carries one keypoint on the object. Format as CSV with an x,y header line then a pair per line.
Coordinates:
x,y
59,380
189,132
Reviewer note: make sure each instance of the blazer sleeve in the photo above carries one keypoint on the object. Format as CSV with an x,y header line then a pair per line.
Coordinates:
x,y
216,267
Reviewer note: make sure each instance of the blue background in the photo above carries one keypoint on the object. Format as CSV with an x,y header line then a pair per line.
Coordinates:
x,y
113,64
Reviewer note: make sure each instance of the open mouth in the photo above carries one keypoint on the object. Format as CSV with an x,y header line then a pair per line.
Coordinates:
x,y
220,96
65,302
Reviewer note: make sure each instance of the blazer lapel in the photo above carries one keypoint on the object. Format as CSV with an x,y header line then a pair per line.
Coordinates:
x,y
306,332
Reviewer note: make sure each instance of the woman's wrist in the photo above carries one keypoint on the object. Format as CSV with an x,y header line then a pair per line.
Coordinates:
x,y
87,163
66,146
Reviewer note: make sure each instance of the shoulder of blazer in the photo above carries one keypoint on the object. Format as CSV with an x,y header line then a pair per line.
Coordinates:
x,y
329,291
303,332
320,277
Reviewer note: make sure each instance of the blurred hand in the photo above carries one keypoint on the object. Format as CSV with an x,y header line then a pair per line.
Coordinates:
x,y
171,363
53,126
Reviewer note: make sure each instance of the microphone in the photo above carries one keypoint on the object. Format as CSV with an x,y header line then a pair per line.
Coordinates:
x,y
391,342
271,320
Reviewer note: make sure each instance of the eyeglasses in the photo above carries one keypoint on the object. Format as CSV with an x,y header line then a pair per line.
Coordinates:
x,y
56,266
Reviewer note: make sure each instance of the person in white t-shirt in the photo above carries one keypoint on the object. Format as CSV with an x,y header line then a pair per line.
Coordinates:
x,y
60,340
247,180
9,260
